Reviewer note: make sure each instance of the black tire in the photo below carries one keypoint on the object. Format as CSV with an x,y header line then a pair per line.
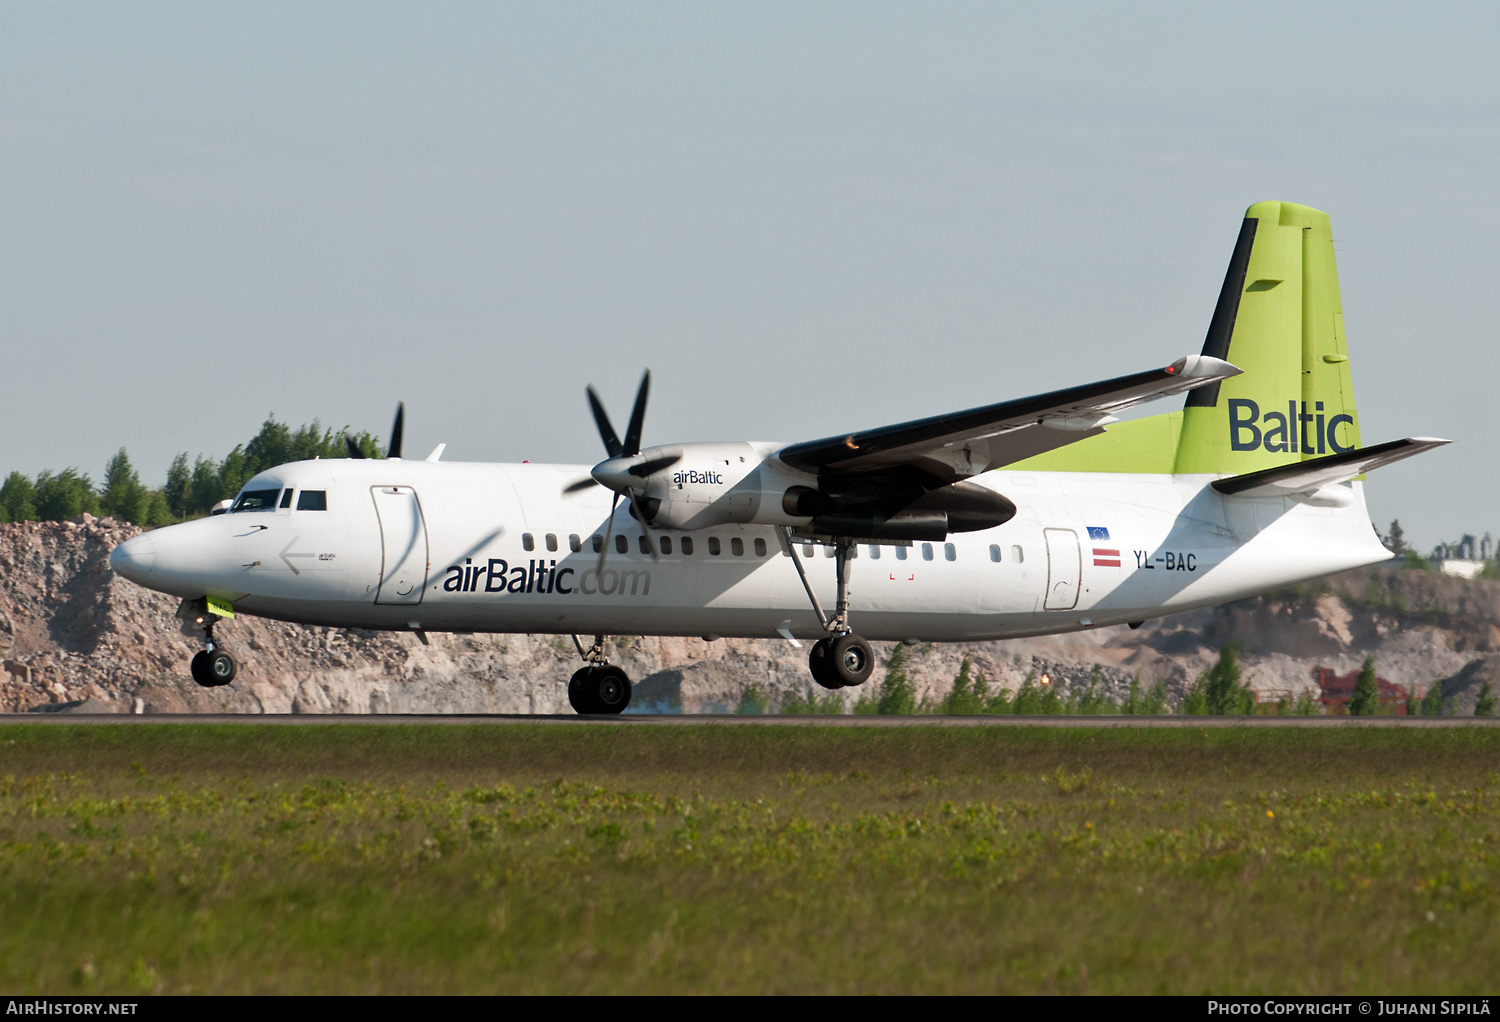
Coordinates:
x,y
220,667
580,688
610,689
818,664
851,660
199,669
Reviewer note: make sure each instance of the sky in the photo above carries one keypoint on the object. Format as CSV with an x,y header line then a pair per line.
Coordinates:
x,y
804,218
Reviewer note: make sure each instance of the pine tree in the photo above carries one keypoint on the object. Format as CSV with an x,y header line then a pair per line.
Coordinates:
x,y
1223,692
897,694
124,496
1396,541
1432,702
968,696
1366,698
1485,706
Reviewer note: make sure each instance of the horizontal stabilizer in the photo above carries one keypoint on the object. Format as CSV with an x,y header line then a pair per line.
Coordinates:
x,y
1307,476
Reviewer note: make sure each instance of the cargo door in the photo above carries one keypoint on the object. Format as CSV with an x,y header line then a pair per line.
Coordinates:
x,y
1064,569
403,538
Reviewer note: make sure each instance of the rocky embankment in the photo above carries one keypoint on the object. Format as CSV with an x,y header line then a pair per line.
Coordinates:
x,y
73,635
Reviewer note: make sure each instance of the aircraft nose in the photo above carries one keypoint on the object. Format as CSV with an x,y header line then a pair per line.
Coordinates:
x,y
134,558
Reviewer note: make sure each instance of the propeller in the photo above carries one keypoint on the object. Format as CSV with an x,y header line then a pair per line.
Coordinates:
x,y
621,470
394,450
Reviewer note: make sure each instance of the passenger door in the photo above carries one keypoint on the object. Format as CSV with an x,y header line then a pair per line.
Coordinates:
x,y
1064,569
403,537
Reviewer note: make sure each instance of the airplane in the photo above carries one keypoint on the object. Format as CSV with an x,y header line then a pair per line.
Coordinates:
x,y
1034,516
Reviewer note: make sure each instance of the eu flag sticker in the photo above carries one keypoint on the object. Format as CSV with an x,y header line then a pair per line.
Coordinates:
x,y
1096,532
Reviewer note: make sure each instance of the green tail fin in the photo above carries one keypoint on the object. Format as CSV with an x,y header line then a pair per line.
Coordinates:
x,y
1280,320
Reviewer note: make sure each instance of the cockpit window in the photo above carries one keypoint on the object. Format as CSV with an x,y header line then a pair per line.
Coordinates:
x,y
286,497
312,500
256,500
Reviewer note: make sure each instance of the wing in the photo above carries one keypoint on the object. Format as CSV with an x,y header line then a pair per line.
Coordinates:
x,y
961,444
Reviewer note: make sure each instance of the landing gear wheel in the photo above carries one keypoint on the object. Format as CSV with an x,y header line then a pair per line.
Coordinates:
x,y
220,667
818,663
199,669
601,688
579,688
850,659
611,690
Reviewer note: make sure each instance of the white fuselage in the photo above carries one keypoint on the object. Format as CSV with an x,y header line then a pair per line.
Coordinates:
x,y
490,548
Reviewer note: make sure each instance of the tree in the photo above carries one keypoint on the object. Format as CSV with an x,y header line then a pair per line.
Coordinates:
x,y
1396,541
1432,702
124,496
968,696
897,694
1223,693
1366,698
65,495
1485,706
179,487
18,498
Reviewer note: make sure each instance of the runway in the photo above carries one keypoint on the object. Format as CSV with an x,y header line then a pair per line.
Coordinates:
x,y
735,720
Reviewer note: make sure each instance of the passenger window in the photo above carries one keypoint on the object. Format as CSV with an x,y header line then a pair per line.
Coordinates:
x,y
552,542
622,545
807,551
666,544
256,500
1017,554
874,553
995,553
312,500
645,544
528,542
687,546
286,497
926,551
901,553
598,544
760,547
574,543
949,552
713,546
828,551
737,546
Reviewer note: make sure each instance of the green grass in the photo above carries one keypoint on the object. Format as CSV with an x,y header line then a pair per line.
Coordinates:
x,y
396,859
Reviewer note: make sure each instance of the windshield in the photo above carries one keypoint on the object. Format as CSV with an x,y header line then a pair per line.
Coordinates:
x,y
256,500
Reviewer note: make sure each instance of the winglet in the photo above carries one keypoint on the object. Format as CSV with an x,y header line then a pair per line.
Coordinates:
x,y
437,452
1203,367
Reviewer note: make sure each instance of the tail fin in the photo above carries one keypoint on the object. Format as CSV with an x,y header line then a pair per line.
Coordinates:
x,y
1280,320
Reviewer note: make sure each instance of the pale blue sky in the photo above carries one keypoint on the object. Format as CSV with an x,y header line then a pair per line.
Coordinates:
x,y
804,218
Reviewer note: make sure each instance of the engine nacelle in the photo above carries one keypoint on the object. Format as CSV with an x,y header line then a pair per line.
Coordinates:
x,y
720,484
707,484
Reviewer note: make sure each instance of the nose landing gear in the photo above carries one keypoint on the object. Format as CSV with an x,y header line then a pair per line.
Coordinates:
x,y
599,686
212,667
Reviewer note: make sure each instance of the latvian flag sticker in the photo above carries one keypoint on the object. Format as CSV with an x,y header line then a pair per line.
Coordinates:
x,y
1104,557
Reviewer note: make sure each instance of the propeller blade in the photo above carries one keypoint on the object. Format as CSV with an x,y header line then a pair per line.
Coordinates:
x,y
354,451
653,466
395,448
608,533
637,417
581,485
645,532
606,431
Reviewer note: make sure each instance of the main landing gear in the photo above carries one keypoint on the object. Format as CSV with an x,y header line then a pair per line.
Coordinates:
x,y
841,659
599,686
213,666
